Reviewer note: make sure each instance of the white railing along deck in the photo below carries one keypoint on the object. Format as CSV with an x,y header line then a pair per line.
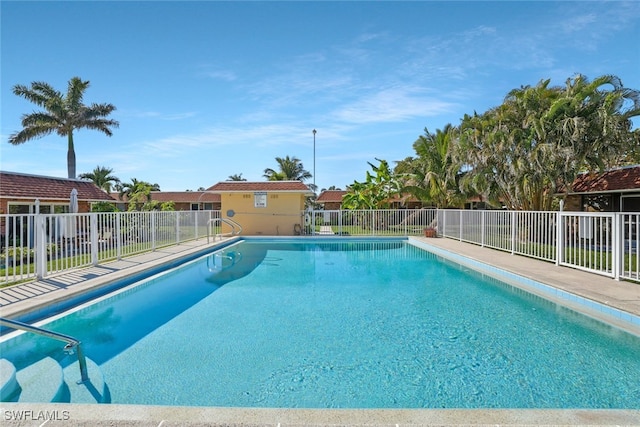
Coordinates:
x,y
37,245
34,246
601,243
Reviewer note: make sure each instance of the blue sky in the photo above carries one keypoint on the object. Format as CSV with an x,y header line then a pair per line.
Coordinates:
x,y
206,89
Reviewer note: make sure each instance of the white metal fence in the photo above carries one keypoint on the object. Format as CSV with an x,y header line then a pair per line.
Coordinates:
x,y
601,243
379,222
37,245
34,246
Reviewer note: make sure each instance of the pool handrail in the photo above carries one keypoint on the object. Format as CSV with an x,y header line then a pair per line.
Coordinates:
x,y
227,221
71,342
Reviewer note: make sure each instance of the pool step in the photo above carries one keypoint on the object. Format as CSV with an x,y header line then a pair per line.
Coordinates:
x,y
9,387
47,381
94,390
41,382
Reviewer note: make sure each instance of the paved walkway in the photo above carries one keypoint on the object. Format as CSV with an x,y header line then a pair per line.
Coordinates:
x,y
326,230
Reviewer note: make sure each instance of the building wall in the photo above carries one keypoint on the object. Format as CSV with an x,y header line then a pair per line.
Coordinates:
x,y
280,217
83,206
332,206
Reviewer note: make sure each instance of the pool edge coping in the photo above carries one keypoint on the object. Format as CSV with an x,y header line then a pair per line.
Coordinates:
x,y
81,414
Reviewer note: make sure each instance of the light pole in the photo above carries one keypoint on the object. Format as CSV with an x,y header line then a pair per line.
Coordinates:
x,y
314,160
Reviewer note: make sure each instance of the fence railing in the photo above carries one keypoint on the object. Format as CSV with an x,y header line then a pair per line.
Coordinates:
x,y
377,222
601,243
37,245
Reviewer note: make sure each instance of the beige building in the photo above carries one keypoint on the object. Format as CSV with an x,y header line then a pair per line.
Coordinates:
x,y
269,208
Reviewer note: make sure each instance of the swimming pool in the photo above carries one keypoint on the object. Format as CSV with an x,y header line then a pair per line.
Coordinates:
x,y
342,324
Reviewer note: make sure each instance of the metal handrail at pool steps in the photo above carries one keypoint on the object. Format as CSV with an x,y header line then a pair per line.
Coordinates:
x,y
72,343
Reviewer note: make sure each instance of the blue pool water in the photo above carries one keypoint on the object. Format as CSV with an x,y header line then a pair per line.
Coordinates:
x,y
343,324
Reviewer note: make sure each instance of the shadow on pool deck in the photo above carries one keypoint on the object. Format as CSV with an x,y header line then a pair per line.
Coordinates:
x,y
22,298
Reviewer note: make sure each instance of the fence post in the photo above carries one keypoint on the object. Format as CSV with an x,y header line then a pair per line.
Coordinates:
x,y
559,237
93,237
482,228
513,232
153,230
177,228
41,247
119,235
313,220
195,224
618,245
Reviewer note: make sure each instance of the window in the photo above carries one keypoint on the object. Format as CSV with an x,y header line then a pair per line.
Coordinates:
x,y
598,202
631,203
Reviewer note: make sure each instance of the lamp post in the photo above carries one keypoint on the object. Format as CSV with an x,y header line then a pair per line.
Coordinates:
x,y
314,160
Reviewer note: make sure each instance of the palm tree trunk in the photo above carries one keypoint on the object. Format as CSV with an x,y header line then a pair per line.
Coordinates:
x,y
71,157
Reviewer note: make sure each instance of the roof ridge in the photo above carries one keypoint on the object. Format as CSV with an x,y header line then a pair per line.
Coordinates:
x,y
42,176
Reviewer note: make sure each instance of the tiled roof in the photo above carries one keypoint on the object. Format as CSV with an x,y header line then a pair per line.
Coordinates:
x,y
615,180
328,196
244,186
24,186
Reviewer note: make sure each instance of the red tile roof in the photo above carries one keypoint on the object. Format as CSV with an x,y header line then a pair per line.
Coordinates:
x,y
328,196
615,180
276,186
24,186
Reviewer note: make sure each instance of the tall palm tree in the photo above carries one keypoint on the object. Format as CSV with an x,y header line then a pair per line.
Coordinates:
x,y
290,169
434,176
101,177
62,114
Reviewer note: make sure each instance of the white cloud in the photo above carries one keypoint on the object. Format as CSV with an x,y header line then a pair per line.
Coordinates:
x,y
394,104
227,76
577,23
158,115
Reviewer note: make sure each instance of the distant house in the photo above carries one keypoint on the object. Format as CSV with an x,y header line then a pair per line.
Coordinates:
x,y
183,200
331,200
264,208
616,190
19,192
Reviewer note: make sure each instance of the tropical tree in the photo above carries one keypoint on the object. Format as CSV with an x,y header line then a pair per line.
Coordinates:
x,y
433,176
62,114
137,193
102,177
289,169
542,137
376,191
236,177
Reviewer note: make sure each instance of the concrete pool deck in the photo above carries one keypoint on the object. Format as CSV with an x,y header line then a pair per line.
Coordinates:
x,y
15,300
